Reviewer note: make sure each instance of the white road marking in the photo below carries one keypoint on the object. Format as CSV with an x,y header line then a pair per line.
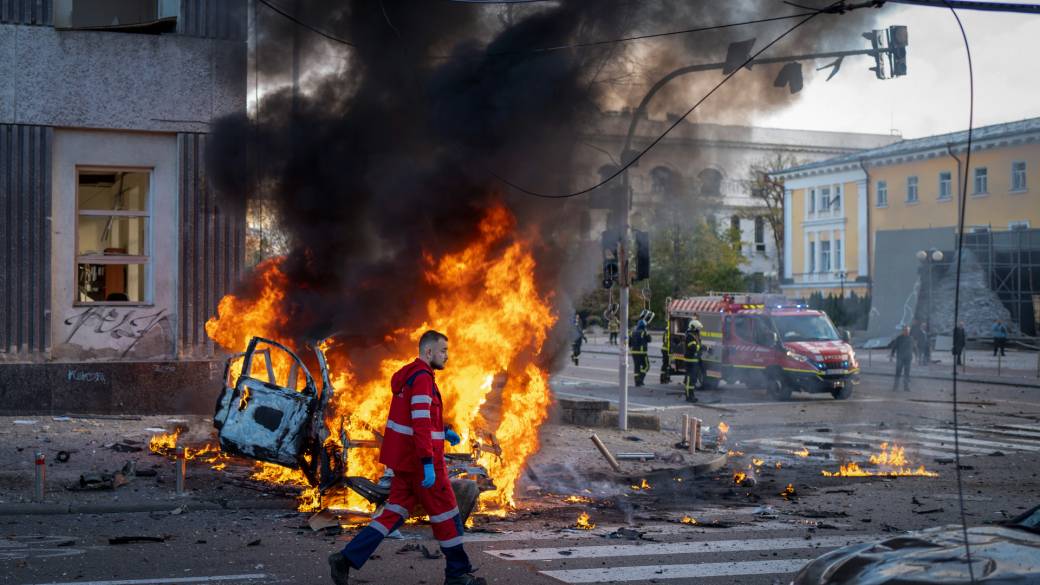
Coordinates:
x,y
165,580
970,431
648,572
948,437
675,548
921,447
1034,428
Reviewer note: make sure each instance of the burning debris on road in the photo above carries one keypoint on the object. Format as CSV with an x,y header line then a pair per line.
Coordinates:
x,y
891,462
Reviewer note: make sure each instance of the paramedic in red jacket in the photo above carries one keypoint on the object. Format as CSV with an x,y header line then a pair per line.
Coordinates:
x,y
413,447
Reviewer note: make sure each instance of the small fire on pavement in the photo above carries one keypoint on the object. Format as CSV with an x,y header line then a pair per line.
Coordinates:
x,y
164,444
803,452
789,491
688,520
723,430
642,486
578,500
739,477
583,522
892,462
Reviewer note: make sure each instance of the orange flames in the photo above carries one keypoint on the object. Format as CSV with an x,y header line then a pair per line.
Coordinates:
x,y
164,444
688,520
583,522
578,500
643,485
489,305
892,461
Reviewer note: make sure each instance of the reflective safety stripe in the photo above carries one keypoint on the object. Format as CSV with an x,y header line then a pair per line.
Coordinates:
x,y
420,414
379,527
399,428
451,542
445,516
422,399
396,509
437,435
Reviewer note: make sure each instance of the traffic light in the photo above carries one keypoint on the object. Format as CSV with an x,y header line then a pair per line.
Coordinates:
x,y
874,37
898,40
642,255
610,272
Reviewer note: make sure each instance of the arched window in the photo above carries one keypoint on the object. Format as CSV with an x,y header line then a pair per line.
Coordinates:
x,y
711,182
663,181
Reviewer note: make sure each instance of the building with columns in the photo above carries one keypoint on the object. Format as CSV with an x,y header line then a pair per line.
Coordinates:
x,y
871,221
707,166
113,250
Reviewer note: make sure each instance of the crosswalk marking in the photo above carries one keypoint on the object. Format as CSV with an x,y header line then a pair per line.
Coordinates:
x,y
691,571
930,448
673,548
979,442
1004,434
654,530
1035,428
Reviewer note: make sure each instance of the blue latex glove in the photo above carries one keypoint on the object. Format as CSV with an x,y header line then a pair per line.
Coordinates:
x,y
452,437
428,475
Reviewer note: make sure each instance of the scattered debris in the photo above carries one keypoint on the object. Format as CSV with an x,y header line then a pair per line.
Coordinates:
x,y
928,511
133,539
124,447
63,457
628,534
61,418
606,453
253,542
323,519
102,480
427,554
636,456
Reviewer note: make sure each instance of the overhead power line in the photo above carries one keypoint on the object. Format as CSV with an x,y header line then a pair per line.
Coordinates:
x,y
971,5
617,172
309,27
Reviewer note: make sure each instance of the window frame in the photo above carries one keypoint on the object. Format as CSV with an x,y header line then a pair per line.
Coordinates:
x,y
836,200
837,264
948,183
975,181
825,256
1025,183
812,257
760,233
825,200
879,188
145,260
1019,224
913,187
812,201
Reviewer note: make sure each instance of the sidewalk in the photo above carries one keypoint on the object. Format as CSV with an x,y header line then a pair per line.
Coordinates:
x,y
1017,368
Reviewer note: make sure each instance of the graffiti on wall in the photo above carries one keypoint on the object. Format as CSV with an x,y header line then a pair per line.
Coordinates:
x,y
123,327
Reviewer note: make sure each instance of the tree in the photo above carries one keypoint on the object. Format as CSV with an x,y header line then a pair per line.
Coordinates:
x,y
768,193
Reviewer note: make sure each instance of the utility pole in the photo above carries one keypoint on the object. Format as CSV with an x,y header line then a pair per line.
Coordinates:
x,y
882,44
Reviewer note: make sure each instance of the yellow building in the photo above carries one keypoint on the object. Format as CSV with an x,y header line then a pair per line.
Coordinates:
x,y
834,209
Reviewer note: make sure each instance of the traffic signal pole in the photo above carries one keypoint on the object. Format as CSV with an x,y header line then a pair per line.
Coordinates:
x,y
623,278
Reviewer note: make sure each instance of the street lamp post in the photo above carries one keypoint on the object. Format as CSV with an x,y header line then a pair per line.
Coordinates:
x,y
842,275
929,259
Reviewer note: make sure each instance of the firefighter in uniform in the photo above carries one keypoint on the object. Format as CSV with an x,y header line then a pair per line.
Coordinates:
x,y
638,345
665,357
413,447
692,356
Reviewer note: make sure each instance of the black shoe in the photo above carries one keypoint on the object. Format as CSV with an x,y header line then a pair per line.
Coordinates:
x,y
467,579
691,399
340,567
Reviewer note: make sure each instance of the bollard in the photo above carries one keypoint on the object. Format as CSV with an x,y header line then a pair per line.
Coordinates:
x,y
685,438
181,469
696,444
41,477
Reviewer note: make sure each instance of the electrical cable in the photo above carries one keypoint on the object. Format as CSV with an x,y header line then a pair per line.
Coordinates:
x,y
957,288
309,27
968,5
536,50
617,172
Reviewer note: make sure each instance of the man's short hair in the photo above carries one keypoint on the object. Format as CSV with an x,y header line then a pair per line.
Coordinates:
x,y
429,338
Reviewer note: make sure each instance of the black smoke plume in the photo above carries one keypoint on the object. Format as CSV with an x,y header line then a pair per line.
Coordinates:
x,y
387,152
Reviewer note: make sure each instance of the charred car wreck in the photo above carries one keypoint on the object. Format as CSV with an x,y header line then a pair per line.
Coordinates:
x,y
263,416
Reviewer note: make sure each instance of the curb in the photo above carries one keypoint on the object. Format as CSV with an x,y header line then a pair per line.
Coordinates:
x,y
972,380
990,381
44,509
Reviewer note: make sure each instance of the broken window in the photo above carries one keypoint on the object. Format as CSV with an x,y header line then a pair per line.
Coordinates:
x,y
138,16
112,235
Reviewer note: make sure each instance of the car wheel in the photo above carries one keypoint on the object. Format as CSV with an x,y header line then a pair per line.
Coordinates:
x,y
842,393
777,389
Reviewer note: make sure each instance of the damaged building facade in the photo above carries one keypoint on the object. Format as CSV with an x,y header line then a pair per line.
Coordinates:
x,y
114,251
707,166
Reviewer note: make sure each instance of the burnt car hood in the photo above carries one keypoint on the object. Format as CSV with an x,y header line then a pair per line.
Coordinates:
x,y
1001,555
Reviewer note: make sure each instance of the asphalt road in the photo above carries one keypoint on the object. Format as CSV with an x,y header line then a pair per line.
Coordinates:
x,y
749,535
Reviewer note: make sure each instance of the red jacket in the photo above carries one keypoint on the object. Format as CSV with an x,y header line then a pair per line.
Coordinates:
x,y
415,427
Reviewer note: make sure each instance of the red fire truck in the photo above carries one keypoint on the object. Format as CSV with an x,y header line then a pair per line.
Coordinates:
x,y
765,341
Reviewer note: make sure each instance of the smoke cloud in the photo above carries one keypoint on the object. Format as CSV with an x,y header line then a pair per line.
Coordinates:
x,y
387,155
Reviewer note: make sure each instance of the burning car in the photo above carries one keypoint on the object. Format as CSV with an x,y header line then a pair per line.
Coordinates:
x,y
271,409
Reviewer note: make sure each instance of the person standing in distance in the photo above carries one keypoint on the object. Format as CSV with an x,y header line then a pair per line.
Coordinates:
x,y
413,447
